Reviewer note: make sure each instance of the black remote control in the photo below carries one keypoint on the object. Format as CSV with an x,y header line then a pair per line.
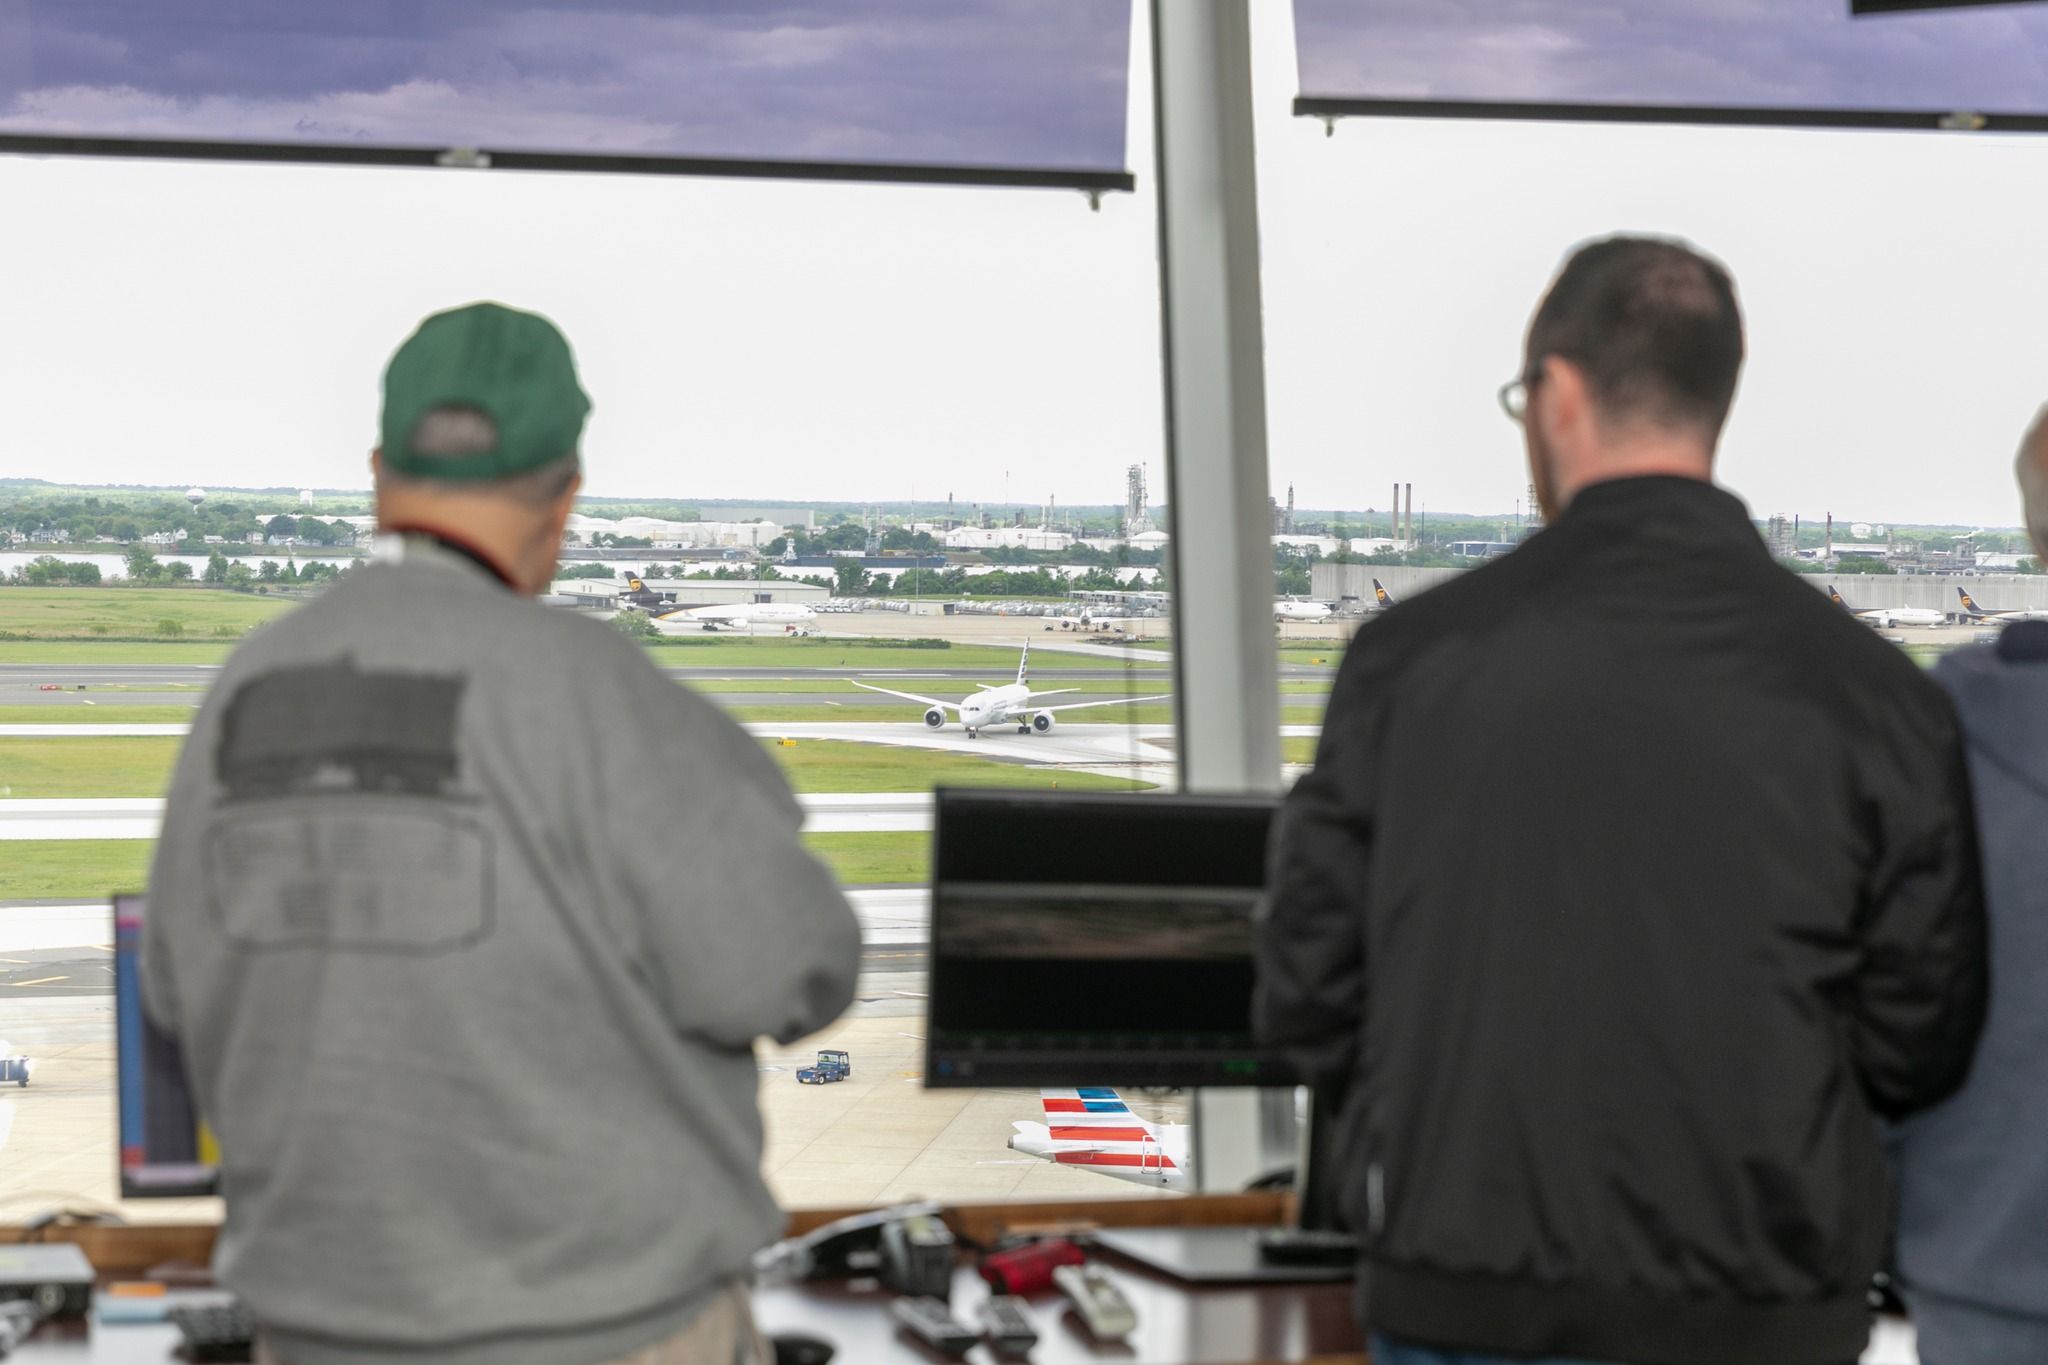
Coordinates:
x,y
1009,1331
930,1321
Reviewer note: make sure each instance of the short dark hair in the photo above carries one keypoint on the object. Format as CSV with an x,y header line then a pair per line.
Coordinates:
x,y
1654,326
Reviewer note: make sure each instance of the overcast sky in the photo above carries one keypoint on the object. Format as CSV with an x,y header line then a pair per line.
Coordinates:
x,y
212,324
1002,82
1788,53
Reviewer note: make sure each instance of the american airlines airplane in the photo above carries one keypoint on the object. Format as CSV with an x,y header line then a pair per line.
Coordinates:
x,y
1289,610
1093,1129
791,616
1012,703
1977,613
1885,618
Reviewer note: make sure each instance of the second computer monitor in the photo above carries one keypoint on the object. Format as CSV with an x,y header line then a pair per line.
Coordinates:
x,y
1095,940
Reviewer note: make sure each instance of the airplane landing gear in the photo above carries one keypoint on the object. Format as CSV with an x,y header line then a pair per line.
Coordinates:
x,y
974,734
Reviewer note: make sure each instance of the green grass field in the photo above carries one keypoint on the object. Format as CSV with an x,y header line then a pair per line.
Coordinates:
x,y
54,769
1297,749
72,768
775,651
823,765
57,653
872,859
81,613
83,713
74,869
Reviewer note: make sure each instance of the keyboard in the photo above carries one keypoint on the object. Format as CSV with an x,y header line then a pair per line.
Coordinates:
x,y
215,1331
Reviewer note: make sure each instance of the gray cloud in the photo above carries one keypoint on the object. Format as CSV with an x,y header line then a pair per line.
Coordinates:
x,y
995,83
1787,53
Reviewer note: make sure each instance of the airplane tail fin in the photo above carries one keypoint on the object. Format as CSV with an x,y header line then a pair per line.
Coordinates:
x,y
635,585
1835,596
1024,664
1970,606
1092,1126
1381,595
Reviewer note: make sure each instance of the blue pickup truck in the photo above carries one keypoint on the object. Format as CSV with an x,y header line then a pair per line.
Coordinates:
x,y
832,1065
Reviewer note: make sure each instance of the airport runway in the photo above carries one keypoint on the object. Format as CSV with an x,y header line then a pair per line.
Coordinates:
x,y
21,684
139,817
65,948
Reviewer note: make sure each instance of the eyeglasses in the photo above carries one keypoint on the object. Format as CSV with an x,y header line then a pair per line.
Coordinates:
x,y
1514,395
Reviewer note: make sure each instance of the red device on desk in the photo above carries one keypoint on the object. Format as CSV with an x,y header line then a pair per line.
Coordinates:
x,y
1028,1269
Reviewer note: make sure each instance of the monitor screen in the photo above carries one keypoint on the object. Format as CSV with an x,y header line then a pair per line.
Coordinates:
x,y
1809,63
701,86
165,1149
1095,940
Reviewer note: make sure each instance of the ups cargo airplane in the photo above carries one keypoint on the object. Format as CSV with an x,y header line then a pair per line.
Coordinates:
x,y
1981,614
1011,704
1885,618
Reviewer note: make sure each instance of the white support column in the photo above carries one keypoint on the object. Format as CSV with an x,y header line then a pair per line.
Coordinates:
x,y
1215,379
1226,669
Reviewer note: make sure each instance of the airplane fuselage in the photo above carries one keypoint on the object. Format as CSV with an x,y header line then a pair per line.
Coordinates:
x,y
1884,618
995,706
1158,1158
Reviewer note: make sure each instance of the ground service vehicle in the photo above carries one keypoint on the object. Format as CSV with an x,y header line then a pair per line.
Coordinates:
x,y
832,1065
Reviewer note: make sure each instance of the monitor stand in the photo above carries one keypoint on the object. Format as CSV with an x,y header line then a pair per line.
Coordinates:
x,y
1314,1250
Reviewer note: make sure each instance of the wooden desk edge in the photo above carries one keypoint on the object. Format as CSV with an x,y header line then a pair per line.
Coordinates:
x,y
131,1249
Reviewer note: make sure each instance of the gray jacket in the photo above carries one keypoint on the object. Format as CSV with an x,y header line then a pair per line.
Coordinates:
x,y
467,919
1973,1172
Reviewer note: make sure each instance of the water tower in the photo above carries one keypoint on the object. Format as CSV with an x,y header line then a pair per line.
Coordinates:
x,y
195,496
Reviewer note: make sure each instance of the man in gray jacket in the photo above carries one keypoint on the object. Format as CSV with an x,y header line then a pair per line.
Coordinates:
x,y
1973,1172
468,918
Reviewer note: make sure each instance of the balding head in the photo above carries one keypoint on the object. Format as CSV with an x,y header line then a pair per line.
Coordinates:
x,y
2032,470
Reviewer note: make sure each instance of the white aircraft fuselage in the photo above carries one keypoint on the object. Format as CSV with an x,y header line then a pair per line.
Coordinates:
x,y
1010,704
1094,1130
742,616
1301,611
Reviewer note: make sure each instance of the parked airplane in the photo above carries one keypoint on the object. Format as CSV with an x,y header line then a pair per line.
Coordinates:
x,y
1011,703
1381,598
793,617
1977,613
1885,618
638,594
1289,610
1093,1129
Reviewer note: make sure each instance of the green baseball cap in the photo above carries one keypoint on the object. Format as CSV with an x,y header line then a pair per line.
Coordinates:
x,y
514,368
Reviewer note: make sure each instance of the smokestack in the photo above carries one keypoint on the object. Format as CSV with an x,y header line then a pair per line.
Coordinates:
x,y
1410,523
1830,554
1394,526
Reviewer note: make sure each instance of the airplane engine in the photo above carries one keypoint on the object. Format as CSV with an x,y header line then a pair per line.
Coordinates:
x,y
1042,723
935,718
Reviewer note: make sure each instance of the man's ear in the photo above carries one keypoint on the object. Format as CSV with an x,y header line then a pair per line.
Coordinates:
x,y
1570,410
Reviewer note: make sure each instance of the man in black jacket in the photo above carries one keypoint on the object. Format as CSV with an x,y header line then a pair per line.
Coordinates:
x,y
1633,880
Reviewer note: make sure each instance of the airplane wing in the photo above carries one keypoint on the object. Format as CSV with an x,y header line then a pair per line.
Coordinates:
x,y
1084,705
910,696
1051,692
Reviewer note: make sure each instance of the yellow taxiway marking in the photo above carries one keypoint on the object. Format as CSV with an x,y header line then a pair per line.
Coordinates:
x,y
42,981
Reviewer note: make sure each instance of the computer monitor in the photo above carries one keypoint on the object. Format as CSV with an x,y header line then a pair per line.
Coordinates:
x,y
166,1150
1100,939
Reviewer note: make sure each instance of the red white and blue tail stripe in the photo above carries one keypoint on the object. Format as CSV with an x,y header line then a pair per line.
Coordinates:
x,y
1092,1128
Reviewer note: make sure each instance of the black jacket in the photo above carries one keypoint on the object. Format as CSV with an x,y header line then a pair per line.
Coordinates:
x,y
1632,878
